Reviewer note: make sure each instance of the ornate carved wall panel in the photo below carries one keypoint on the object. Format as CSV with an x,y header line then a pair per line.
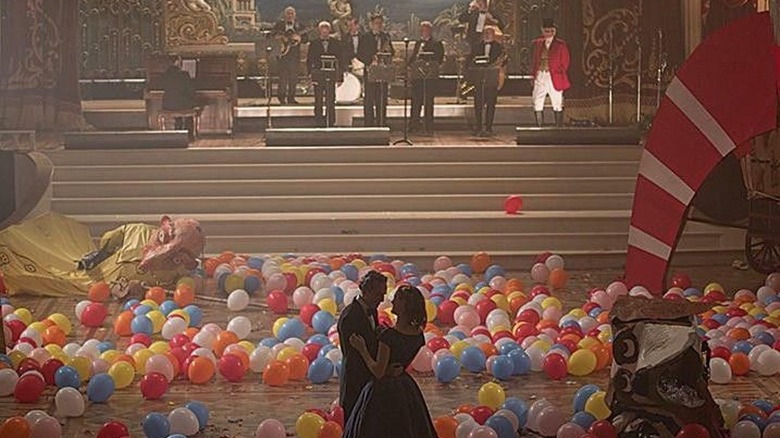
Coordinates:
x,y
192,23
528,16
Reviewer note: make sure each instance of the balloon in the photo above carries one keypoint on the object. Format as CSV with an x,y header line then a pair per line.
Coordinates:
x,y
322,321
473,359
276,373
517,407
173,327
491,395
100,388
582,395
94,315
465,427
693,430
549,420
330,429
15,427
558,278
238,300
122,373
153,386
597,407
160,364
308,425
582,362
482,432
69,402
603,429
270,428
720,371
241,326
231,368
554,365
113,429
320,371
745,429
422,361
502,426
277,302
201,413
45,427
503,367
156,425
445,426
260,358
200,371
513,204
570,430
8,380
183,421
481,414
446,369
29,388
533,414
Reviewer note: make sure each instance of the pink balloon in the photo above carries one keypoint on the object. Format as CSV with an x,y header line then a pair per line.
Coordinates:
x,y
482,432
549,420
540,272
442,263
422,362
270,429
46,427
570,430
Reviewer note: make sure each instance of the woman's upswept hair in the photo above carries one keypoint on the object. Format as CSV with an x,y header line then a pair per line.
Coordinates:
x,y
414,304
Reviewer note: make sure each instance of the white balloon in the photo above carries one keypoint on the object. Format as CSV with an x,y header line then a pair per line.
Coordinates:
x,y
183,421
160,363
745,429
259,358
554,262
465,427
205,352
460,417
720,371
768,363
132,349
69,402
173,327
482,432
71,349
238,300
302,296
241,326
537,356
334,356
772,430
45,427
80,308
754,353
533,413
205,339
34,416
25,348
295,343
32,334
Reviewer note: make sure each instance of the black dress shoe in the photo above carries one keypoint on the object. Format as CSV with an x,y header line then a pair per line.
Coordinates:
x,y
292,102
489,132
281,100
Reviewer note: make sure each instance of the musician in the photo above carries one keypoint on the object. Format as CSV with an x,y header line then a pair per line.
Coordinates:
x,y
292,32
325,92
486,94
178,92
351,39
477,16
423,89
550,66
370,46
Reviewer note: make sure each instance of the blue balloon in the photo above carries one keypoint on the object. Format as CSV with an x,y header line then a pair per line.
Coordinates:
x,y
494,271
221,278
480,285
446,369
268,342
519,407
458,334
252,284
720,318
105,346
582,395
141,324
7,360
692,292
521,361
414,281
156,425
560,347
764,406
755,419
338,292
130,303
292,328
765,338
506,347
465,268
201,412
318,339
503,367
742,347
325,349
100,388
437,299
443,290
322,321
583,419
255,263
502,426
196,315
142,309
350,271
67,377
320,371
473,359
168,306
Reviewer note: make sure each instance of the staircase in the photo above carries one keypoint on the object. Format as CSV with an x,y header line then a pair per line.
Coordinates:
x,y
413,203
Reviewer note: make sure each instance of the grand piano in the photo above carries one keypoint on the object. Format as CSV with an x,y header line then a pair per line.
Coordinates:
x,y
215,85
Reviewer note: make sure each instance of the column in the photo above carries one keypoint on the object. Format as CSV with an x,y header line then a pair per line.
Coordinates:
x,y
692,20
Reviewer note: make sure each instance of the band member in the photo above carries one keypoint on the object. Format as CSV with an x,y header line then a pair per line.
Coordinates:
x,y
477,16
371,45
486,91
325,90
351,39
550,64
291,31
423,89
178,92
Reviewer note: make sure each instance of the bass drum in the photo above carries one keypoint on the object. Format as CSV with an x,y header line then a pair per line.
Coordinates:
x,y
349,91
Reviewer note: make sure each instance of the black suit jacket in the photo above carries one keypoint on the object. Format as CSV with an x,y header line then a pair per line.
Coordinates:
x,y
349,46
317,49
368,46
354,373
295,51
472,18
428,46
496,51
178,91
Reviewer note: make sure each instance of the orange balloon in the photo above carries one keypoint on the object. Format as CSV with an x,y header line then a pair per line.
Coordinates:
x,y
445,427
224,338
330,429
210,265
740,364
480,261
558,278
430,327
546,323
465,408
516,303
99,292
125,358
337,263
738,334
184,295
190,332
175,362
200,371
750,409
48,323
156,294
54,335
226,257
514,284
276,373
15,427
122,323
603,358
489,349
603,318
298,365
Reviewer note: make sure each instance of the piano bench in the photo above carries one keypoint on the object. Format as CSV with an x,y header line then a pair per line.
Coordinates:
x,y
193,113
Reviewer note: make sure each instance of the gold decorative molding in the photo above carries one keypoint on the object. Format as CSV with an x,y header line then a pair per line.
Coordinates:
x,y
192,23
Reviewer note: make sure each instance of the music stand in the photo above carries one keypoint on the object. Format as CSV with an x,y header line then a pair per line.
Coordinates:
x,y
268,85
425,68
327,74
382,73
484,73
406,140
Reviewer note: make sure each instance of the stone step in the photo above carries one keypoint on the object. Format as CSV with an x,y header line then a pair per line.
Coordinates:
x,y
197,205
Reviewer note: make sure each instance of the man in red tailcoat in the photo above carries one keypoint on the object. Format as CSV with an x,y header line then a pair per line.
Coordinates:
x,y
551,62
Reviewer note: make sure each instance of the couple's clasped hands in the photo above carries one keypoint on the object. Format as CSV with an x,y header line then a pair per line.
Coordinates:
x,y
359,343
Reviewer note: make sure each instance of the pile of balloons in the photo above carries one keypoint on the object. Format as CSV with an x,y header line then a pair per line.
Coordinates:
x,y
35,424
549,269
314,423
157,315
496,416
187,420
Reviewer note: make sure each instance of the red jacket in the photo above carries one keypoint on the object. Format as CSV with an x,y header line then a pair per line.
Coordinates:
x,y
558,60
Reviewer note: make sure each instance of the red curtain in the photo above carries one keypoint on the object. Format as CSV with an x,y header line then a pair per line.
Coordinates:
x,y
39,53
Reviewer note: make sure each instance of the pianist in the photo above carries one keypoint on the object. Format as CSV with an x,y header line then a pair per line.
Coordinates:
x,y
178,92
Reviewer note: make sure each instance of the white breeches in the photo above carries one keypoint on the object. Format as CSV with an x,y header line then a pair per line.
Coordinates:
x,y
543,86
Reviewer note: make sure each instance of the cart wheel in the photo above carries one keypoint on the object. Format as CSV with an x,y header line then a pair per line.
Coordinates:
x,y
763,255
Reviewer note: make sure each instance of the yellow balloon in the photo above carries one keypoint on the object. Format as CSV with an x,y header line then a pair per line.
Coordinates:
x,y
189,281
62,322
597,406
110,355
278,325
122,373
720,309
551,302
82,365
501,302
286,353
160,347
460,301
491,395
543,345
358,263
24,314
157,318
465,286
16,357
328,305
151,303
430,310
756,311
140,357
578,313
500,328
582,363
588,342
183,314
309,425
458,347
713,286
37,326
233,282
247,346
55,350
605,336
483,290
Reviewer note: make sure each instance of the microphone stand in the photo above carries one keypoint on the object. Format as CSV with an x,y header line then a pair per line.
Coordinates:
x,y
661,68
268,85
639,69
405,140
611,75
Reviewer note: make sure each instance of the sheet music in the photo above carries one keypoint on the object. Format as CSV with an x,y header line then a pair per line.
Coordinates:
x,y
190,66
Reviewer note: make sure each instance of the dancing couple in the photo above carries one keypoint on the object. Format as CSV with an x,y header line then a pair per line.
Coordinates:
x,y
379,398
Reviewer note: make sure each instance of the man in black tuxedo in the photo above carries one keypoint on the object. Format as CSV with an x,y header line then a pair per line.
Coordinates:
x,y
486,97
325,45
372,43
478,16
351,41
289,63
423,89
178,92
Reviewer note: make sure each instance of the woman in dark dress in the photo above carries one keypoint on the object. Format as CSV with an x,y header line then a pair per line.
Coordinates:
x,y
393,407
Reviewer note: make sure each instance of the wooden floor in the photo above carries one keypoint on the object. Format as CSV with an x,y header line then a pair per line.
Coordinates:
x,y
237,409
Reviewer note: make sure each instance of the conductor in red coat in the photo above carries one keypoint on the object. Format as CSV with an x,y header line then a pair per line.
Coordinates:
x,y
550,67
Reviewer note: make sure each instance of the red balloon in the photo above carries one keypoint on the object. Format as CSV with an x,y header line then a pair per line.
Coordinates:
x,y
179,341
231,368
94,315
555,366
438,343
513,204
683,281
17,327
603,429
693,430
153,386
292,282
310,351
49,368
481,414
27,364
530,316
721,352
277,302
337,415
141,338
113,429
539,289
307,312
484,307
29,389
446,313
